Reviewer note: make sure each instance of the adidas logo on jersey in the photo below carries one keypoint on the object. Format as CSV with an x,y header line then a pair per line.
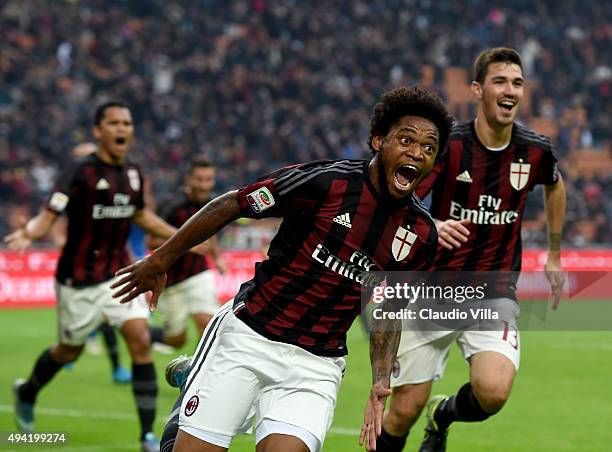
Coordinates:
x,y
464,177
102,184
344,219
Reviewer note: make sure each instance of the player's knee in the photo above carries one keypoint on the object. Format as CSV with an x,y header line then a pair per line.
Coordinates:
x,y
281,443
409,408
492,395
405,409
139,345
138,339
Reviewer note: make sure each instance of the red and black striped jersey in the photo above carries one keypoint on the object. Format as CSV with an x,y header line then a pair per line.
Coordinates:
x,y
335,227
488,187
189,264
99,200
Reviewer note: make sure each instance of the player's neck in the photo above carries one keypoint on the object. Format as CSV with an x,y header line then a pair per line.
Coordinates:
x,y
376,174
108,158
492,137
374,170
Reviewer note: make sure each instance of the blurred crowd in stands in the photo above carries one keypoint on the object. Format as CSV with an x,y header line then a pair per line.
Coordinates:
x,y
257,84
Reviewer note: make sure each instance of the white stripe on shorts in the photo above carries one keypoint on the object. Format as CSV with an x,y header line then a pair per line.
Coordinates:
x,y
208,338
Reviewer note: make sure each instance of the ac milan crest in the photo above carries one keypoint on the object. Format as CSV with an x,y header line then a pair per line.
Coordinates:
x,y
192,405
402,243
519,174
396,369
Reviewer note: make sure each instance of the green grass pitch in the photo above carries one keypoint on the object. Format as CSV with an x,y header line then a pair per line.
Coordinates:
x,y
561,401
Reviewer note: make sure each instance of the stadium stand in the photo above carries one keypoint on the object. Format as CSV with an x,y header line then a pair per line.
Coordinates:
x,y
258,84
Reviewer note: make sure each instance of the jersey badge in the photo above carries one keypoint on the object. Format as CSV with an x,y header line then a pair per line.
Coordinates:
x,y
133,179
402,243
519,174
192,405
396,369
58,201
260,199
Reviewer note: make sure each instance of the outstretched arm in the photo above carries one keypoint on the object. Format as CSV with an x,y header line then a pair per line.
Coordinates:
x,y
153,224
157,227
384,342
150,273
34,230
554,203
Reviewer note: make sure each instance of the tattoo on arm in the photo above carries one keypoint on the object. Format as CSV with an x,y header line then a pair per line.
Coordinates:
x,y
384,341
554,241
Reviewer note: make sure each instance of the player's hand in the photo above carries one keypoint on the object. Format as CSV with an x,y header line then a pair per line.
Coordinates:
x,y
556,277
140,277
452,233
18,240
221,266
373,416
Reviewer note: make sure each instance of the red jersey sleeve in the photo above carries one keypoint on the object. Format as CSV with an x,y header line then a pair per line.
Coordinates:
x,y
289,190
67,187
548,172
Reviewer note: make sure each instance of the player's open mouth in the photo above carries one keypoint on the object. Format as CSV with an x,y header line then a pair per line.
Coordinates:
x,y
120,140
507,105
405,175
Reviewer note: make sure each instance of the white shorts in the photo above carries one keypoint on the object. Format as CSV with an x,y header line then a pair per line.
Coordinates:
x,y
422,355
195,295
82,310
240,378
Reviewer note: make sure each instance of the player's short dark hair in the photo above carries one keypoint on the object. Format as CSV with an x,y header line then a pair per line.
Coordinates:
x,y
394,105
495,55
101,110
200,162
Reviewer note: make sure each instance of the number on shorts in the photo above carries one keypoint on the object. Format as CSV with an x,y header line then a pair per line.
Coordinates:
x,y
511,337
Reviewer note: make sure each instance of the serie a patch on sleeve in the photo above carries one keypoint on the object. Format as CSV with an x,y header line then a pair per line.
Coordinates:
x,y
58,201
260,199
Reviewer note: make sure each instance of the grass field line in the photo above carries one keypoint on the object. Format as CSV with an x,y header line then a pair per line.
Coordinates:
x,y
340,431
75,413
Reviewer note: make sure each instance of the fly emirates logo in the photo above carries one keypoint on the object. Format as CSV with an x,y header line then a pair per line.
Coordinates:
x,y
487,213
357,270
121,209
